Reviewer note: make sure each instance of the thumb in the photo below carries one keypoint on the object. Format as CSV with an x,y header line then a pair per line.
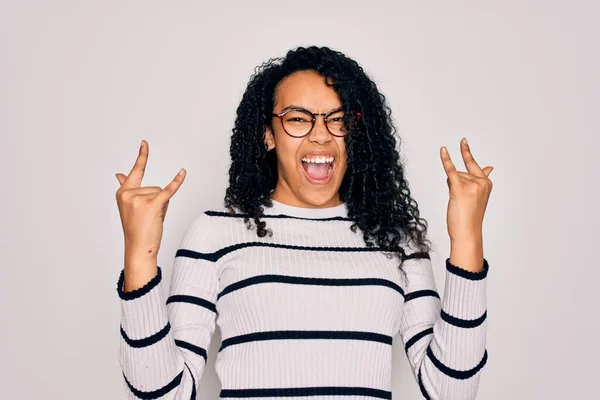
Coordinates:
x,y
488,170
120,177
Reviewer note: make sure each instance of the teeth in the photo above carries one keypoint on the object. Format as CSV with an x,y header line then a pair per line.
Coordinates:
x,y
318,159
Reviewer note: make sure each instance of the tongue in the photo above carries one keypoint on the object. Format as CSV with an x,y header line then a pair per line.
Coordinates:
x,y
316,170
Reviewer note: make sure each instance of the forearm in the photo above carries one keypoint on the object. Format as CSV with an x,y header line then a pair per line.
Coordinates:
x,y
445,339
457,352
150,361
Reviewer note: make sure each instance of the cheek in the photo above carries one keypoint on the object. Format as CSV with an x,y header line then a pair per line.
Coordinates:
x,y
287,160
343,159
342,168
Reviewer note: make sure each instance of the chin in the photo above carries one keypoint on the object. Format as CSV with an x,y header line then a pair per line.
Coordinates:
x,y
319,197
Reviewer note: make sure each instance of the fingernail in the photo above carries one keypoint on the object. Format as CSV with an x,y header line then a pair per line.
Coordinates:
x,y
141,144
444,150
465,139
180,172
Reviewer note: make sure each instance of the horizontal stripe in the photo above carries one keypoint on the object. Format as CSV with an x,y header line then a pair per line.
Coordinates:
x,y
421,293
463,323
216,255
421,386
474,276
274,216
278,335
193,396
299,280
155,394
307,391
354,361
134,294
184,298
192,347
417,337
454,373
148,341
417,255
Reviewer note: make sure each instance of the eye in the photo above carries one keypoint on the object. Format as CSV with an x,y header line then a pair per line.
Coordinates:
x,y
297,117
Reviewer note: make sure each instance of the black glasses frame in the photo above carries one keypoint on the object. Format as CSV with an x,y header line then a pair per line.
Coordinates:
x,y
326,115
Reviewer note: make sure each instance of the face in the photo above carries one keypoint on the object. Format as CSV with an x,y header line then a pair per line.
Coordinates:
x,y
307,89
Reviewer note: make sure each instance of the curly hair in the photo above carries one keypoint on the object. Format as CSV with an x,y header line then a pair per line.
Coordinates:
x,y
374,188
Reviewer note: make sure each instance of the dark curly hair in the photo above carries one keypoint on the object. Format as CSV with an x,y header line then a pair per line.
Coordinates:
x,y
374,188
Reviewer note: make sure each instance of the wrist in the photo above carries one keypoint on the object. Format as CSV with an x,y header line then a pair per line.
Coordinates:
x,y
134,278
140,268
467,254
140,254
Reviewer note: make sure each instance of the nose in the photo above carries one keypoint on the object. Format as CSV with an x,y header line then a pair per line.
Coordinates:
x,y
320,134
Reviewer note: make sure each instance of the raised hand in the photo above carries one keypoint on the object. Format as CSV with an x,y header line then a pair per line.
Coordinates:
x,y
469,194
142,211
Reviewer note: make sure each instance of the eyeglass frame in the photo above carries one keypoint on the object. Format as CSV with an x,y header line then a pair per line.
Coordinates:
x,y
313,120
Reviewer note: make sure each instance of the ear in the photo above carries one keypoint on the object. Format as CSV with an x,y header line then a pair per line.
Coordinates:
x,y
269,139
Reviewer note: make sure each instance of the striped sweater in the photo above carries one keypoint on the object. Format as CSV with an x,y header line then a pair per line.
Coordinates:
x,y
308,311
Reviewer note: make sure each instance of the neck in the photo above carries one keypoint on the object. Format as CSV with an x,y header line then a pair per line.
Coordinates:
x,y
304,210
296,202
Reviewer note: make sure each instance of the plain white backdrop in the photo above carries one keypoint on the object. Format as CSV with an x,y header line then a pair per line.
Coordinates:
x,y
82,83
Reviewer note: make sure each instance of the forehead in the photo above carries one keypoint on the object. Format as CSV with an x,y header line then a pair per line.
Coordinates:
x,y
306,89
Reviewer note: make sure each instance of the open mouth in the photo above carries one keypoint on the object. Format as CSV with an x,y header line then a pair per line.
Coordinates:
x,y
318,170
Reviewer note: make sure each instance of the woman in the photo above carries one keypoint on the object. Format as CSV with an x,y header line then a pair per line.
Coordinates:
x,y
298,268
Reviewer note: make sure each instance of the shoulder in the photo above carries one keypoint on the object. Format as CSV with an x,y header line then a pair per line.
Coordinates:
x,y
208,220
211,230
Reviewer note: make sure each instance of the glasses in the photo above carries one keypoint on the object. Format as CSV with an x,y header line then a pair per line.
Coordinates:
x,y
299,122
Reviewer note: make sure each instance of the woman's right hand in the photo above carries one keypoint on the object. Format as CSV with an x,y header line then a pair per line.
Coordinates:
x,y
143,210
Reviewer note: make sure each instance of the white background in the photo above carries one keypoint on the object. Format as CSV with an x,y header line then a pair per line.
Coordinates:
x,y
81,83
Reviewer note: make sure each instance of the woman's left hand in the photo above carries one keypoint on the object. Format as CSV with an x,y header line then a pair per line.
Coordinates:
x,y
469,194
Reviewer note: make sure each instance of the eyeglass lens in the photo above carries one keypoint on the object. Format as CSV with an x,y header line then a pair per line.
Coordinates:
x,y
299,123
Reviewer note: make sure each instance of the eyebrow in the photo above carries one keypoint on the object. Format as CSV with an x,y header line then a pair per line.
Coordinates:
x,y
291,107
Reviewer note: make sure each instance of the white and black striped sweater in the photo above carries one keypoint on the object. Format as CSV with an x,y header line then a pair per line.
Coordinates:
x,y
309,311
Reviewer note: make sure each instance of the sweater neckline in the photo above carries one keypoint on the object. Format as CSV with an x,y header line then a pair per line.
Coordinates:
x,y
279,208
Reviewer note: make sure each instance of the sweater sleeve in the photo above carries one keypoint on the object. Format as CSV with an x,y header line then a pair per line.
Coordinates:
x,y
445,339
163,344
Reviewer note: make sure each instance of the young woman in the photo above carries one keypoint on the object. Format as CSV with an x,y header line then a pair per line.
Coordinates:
x,y
316,261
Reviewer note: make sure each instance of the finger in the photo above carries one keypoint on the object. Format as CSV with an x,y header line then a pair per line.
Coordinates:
x,y
135,176
169,190
488,170
141,190
468,176
465,176
121,178
470,162
147,190
449,167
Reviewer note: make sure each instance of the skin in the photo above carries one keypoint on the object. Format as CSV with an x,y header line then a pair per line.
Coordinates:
x,y
468,191
143,208
469,194
306,89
